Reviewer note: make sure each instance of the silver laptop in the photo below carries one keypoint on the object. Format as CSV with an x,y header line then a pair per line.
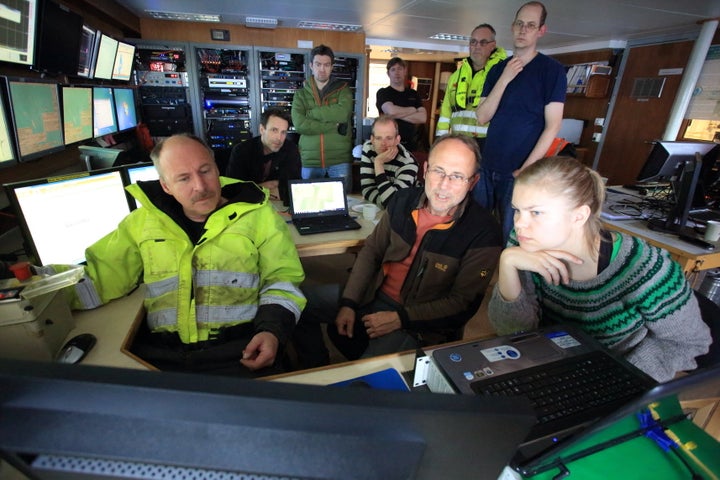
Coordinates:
x,y
320,205
569,377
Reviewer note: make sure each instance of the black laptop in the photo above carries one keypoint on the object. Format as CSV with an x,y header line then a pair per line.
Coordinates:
x,y
569,377
319,205
594,438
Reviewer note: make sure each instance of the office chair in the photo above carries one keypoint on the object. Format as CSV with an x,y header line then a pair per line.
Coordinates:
x,y
710,313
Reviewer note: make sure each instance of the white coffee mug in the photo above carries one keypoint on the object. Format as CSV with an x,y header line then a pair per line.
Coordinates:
x,y
712,231
369,211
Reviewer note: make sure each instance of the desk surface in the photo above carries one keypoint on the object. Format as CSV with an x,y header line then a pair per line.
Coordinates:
x,y
112,324
690,257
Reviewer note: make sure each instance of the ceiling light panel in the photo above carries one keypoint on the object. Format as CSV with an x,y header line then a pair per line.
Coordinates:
x,y
342,27
187,17
450,36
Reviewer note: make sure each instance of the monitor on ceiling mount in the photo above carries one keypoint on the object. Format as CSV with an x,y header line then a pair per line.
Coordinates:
x,y
124,59
57,48
88,48
105,58
17,31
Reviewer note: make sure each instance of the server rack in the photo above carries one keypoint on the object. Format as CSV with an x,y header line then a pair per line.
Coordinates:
x,y
282,73
225,89
163,88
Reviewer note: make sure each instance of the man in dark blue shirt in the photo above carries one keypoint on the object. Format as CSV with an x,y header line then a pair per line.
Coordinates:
x,y
523,99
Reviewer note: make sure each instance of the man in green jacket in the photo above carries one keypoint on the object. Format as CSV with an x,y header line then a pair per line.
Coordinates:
x,y
466,85
220,267
322,115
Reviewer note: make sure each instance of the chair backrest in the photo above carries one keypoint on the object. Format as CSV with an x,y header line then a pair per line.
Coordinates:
x,y
710,313
421,158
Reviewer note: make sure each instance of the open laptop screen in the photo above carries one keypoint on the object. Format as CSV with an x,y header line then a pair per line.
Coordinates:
x,y
317,197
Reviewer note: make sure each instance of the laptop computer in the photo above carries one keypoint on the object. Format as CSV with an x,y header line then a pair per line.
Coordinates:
x,y
319,205
624,424
569,377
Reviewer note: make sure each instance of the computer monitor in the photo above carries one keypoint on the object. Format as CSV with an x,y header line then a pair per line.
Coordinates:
x,y
680,164
77,113
17,31
59,31
7,141
36,117
139,172
98,158
104,121
124,58
88,48
105,58
125,108
61,421
60,217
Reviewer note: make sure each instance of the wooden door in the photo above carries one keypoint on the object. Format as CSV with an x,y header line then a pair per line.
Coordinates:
x,y
636,122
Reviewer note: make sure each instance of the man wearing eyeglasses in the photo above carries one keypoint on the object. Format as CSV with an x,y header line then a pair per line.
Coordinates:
x,y
462,95
523,99
422,272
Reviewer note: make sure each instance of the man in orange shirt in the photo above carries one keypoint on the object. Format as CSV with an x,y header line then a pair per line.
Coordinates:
x,y
422,272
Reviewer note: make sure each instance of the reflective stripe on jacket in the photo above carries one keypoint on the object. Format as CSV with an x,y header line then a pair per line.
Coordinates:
x,y
244,261
464,89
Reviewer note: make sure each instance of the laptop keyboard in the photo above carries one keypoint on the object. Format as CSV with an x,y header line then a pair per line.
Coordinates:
x,y
570,387
325,224
703,216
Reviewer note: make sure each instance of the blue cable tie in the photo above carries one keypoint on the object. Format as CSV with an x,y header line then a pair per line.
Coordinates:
x,y
654,431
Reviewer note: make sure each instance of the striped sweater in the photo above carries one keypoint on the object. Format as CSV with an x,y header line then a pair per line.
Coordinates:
x,y
640,306
400,172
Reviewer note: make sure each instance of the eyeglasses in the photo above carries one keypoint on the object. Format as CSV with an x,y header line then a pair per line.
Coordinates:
x,y
482,43
453,178
519,25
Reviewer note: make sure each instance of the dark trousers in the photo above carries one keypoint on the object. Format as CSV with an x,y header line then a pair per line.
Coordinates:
x,y
219,356
322,307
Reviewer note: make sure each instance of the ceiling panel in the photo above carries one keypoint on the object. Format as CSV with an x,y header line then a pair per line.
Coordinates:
x,y
409,23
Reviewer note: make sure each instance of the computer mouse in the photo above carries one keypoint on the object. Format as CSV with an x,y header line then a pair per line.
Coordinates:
x,y
76,348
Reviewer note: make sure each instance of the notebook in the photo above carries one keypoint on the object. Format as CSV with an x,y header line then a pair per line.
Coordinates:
x,y
702,383
570,378
319,205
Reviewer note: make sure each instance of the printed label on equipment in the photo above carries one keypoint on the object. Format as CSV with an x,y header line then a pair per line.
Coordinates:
x,y
501,352
564,340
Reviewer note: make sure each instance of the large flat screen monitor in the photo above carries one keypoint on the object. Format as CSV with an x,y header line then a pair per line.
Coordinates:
x,y
139,172
7,141
88,49
124,58
125,108
77,113
104,120
68,421
57,46
36,116
679,164
61,217
105,58
17,31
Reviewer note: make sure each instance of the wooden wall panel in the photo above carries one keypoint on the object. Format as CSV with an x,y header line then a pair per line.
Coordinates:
x,y
637,122
199,32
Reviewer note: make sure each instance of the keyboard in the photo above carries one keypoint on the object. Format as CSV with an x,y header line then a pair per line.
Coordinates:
x,y
590,384
703,216
307,226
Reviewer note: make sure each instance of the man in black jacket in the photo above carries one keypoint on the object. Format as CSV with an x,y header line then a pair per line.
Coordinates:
x,y
268,159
